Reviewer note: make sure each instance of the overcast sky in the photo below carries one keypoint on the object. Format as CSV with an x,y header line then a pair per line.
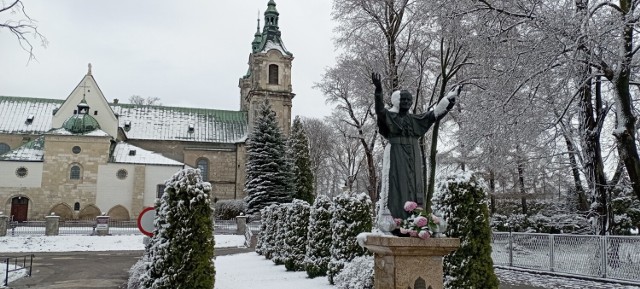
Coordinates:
x,y
188,53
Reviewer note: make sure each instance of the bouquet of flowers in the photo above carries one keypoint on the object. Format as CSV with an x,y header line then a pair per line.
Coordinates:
x,y
420,224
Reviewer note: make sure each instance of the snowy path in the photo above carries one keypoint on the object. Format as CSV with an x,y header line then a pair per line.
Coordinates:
x,y
238,271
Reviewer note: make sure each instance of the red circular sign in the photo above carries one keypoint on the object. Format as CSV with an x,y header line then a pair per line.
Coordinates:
x,y
145,221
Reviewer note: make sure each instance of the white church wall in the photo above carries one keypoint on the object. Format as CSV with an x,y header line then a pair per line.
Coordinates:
x,y
112,190
9,174
154,176
88,89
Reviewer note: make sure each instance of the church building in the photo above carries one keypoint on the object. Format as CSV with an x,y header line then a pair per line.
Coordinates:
x,y
83,156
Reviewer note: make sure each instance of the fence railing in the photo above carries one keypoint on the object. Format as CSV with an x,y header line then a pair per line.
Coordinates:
x,y
609,257
12,265
72,227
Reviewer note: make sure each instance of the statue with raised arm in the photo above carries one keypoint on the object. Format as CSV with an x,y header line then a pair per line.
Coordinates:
x,y
402,163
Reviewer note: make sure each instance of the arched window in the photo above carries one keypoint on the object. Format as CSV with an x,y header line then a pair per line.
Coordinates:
x,y
203,165
273,74
4,148
75,172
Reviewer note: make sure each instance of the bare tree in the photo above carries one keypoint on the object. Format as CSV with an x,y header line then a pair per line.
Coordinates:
x,y
23,27
346,85
139,100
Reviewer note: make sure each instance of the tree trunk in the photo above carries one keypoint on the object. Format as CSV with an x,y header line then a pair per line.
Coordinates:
x,y
523,198
432,165
583,205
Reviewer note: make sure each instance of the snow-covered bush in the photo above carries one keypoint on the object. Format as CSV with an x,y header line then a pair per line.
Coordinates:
x,y
462,199
295,235
135,272
319,238
181,249
229,209
263,246
351,216
280,218
357,274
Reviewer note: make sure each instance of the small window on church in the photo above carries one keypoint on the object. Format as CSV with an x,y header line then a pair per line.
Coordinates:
x,y
74,172
273,74
203,165
95,112
76,206
4,148
160,190
21,172
122,174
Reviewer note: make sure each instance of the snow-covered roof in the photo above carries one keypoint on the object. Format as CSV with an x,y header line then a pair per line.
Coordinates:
x,y
62,131
277,46
15,112
32,151
180,123
137,121
130,154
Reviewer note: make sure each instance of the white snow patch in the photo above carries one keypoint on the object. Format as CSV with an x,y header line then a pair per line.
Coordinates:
x,y
92,243
249,269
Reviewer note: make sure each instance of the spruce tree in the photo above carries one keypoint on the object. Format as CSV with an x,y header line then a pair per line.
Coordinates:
x,y
462,199
268,171
351,215
181,249
319,238
303,177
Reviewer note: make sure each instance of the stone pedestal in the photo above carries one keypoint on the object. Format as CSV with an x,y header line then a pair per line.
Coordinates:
x,y
102,225
4,222
52,225
409,263
241,225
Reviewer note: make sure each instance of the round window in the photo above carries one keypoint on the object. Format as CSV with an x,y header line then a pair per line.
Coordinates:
x,y
122,174
21,172
76,149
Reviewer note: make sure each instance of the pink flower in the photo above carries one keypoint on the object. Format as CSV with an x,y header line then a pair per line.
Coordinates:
x,y
410,206
435,219
398,221
404,231
424,235
421,221
413,233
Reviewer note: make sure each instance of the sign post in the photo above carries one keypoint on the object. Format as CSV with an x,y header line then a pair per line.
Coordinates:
x,y
145,221
102,225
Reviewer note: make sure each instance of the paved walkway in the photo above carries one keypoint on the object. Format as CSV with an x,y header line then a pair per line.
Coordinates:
x,y
109,270
84,270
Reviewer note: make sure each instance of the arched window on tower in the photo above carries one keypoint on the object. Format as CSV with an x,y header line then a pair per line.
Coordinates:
x,y
203,165
273,74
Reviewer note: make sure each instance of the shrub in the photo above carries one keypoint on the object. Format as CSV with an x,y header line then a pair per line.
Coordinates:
x,y
280,217
351,216
262,247
295,235
357,274
229,209
319,238
181,249
462,199
135,273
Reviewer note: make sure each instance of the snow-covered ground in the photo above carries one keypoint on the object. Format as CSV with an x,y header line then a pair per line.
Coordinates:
x,y
236,271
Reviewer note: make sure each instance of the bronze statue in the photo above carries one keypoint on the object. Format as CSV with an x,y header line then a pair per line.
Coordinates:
x,y
402,164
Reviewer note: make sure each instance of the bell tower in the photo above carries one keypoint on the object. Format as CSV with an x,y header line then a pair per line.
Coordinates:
x,y
269,73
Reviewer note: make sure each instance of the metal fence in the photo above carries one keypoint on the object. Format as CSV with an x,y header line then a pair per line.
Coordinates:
x,y
71,227
14,264
610,257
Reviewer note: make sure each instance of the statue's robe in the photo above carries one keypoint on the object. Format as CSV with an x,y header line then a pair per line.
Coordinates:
x,y
405,179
